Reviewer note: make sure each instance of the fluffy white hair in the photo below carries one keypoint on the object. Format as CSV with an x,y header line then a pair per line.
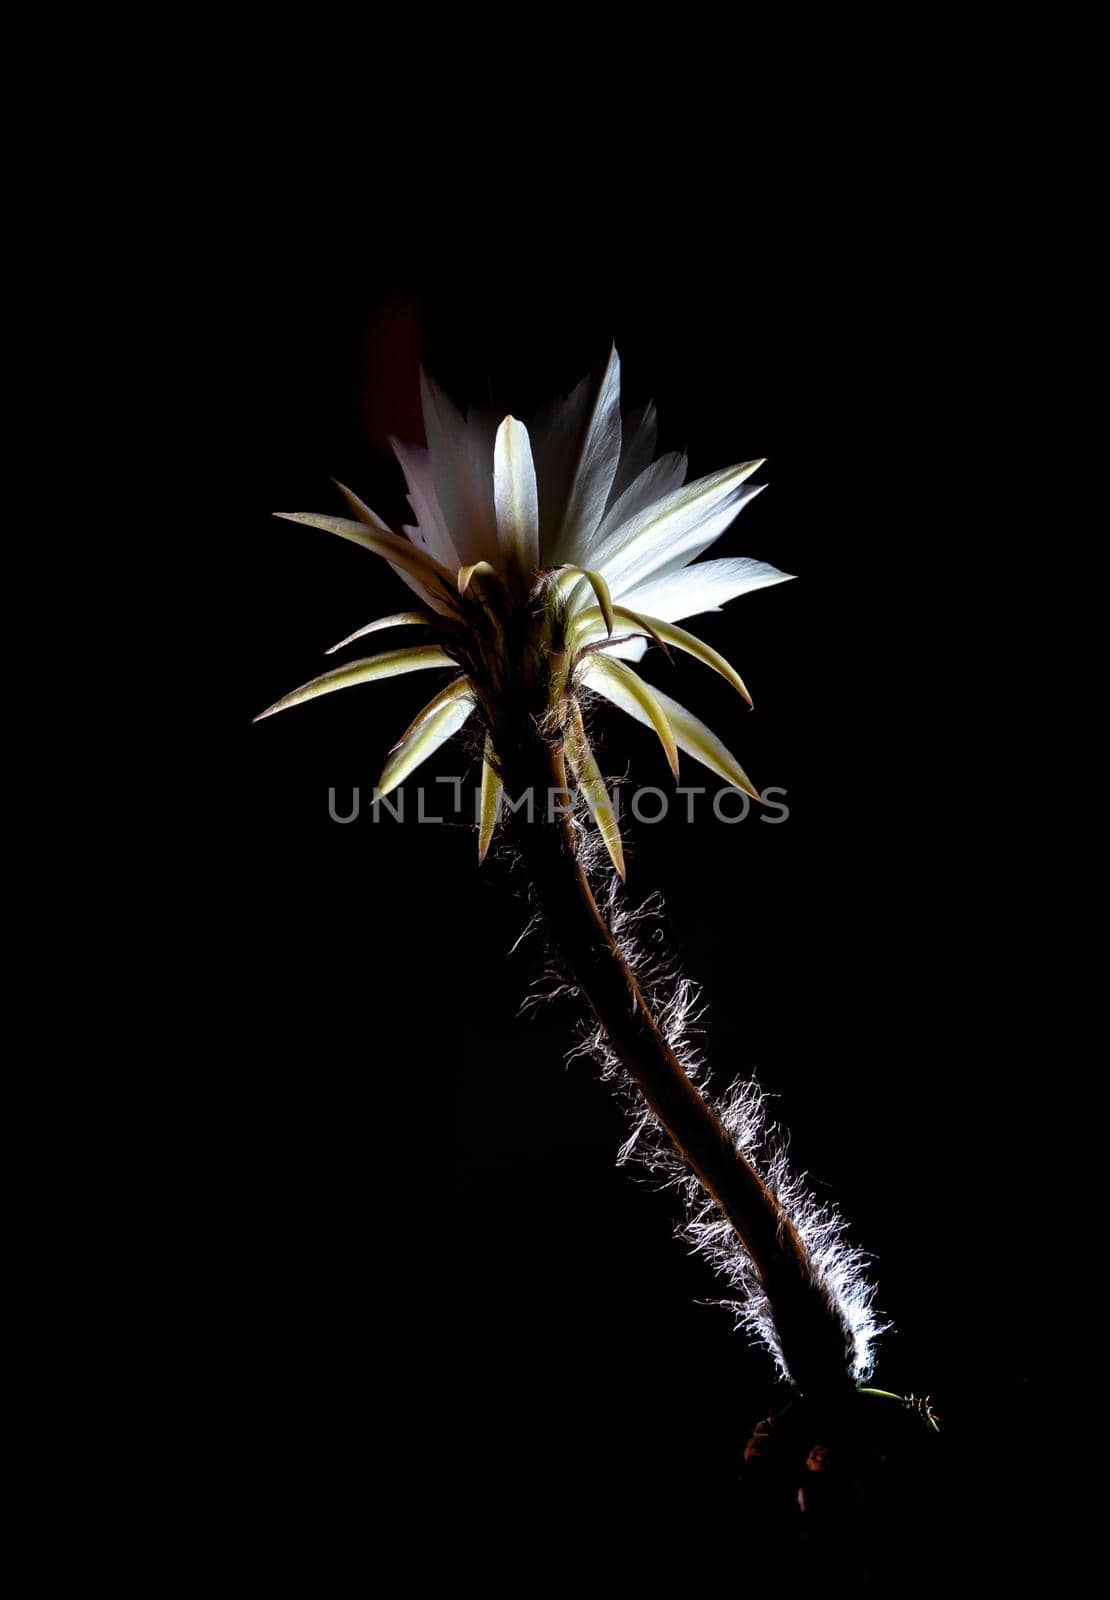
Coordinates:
x,y
675,1000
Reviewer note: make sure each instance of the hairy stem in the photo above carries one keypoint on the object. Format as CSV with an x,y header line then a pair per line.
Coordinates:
x,y
814,1340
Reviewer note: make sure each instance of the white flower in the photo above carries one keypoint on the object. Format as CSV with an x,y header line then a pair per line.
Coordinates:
x,y
548,558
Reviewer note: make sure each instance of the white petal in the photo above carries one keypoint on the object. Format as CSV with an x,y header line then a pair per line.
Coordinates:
x,y
596,466
417,467
515,498
672,551
629,649
556,432
462,471
638,436
656,481
706,586
682,524
429,733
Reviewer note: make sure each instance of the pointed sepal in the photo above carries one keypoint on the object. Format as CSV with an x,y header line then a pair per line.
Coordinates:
x,y
430,729
588,777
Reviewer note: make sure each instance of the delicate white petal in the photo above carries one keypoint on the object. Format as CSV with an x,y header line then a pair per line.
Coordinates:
x,y
596,466
514,495
628,649
592,784
432,728
638,435
706,586
656,481
689,734
556,433
390,664
399,619
652,555
684,523
417,467
462,470
627,690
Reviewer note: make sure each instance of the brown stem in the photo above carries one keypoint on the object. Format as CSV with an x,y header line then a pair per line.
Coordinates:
x,y
814,1340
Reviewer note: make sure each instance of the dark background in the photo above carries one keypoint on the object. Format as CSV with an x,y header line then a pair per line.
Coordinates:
x,y
422,1281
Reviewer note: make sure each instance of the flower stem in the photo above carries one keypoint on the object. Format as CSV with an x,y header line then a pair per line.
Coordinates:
x,y
813,1338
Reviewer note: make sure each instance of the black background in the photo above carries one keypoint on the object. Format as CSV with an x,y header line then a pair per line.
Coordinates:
x,y
419,1277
